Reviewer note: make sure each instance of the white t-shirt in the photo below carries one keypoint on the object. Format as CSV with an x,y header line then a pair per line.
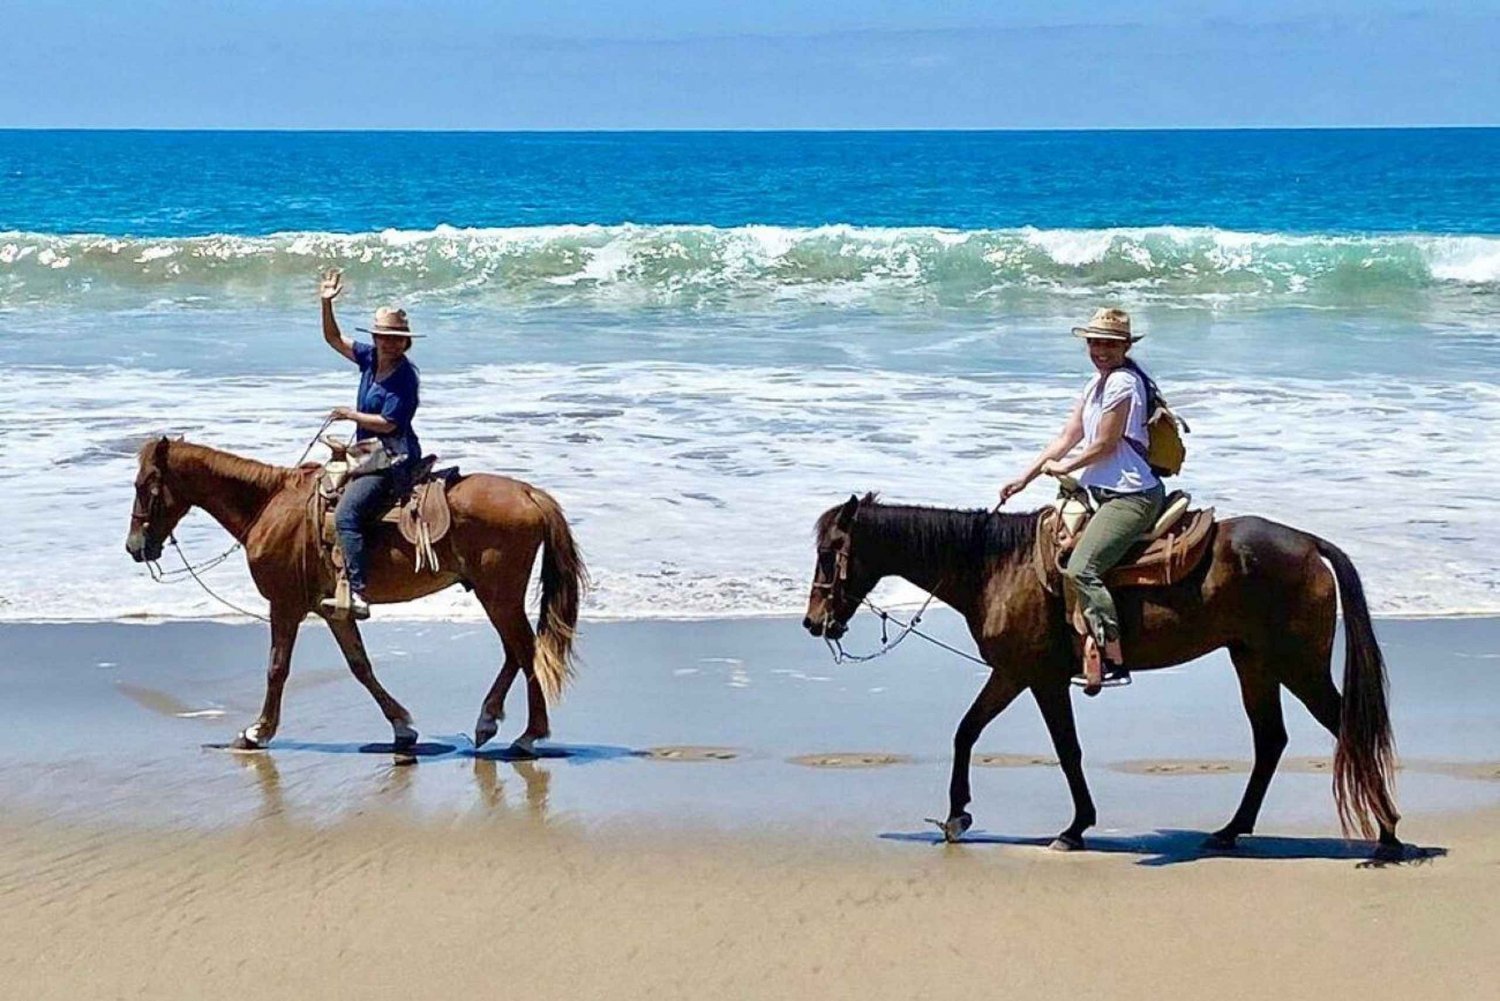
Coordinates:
x,y
1123,469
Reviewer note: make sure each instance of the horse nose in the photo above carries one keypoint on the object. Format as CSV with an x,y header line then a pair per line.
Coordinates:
x,y
810,625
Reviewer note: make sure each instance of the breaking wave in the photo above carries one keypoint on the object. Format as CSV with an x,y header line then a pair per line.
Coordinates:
x,y
693,264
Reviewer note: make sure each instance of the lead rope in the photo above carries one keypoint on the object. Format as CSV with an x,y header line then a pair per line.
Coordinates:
x,y
189,570
842,656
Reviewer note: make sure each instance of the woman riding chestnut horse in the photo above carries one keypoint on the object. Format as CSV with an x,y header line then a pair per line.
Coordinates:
x,y
1262,591
498,525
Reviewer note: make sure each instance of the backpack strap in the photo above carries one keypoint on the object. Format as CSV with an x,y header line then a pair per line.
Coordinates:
x,y
1150,392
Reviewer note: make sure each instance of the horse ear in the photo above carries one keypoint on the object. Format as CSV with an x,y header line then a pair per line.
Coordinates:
x,y
846,513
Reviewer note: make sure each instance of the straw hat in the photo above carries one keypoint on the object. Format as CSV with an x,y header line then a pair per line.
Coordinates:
x,y
1108,324
389,320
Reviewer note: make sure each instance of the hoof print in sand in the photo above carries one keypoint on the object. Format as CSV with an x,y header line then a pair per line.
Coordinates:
x,y
1182,767
850,759
1014,761
687,753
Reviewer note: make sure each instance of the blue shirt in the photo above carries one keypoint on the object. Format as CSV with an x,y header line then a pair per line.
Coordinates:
x,y
395,398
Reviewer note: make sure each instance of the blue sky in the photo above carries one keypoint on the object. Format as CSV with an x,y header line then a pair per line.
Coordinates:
x,y
575,64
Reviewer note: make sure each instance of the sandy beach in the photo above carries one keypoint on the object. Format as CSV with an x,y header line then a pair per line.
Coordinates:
x,y
722,810
379,908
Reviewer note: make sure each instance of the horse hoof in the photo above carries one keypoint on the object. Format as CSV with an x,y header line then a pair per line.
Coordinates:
x,y
524,744
954,827
1066,843
1220,841
1390,851
244,743
485,730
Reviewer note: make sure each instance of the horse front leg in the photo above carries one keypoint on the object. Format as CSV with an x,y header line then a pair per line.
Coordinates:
x,y
1057,711
996,694
284,624
346,632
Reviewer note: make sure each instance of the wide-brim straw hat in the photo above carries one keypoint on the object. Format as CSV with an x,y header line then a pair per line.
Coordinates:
x,y
1108,324
390,322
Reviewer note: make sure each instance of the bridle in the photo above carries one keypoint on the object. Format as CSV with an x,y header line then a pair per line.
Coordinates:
x,y
152,509
830,576
833,562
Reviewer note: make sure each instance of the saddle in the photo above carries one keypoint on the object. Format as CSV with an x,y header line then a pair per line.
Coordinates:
x,y
421,516
1171,550
1173,547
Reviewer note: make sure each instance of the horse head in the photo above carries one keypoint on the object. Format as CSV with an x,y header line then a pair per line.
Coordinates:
x,y
158,507
841,579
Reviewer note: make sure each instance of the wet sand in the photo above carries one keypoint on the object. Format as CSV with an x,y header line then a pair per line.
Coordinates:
x,y
722,810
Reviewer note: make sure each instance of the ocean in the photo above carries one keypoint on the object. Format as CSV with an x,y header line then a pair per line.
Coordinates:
x,y
699,341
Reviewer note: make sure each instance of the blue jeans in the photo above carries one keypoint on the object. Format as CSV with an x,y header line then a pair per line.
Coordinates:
x,y
365,499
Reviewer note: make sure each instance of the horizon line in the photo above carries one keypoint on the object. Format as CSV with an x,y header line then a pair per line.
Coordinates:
x,y
815,130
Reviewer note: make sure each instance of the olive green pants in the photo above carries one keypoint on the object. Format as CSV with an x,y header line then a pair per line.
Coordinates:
x,y
1115,527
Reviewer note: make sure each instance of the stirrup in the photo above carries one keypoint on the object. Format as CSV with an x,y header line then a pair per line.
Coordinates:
x,y
1098,673
1115,677
346,603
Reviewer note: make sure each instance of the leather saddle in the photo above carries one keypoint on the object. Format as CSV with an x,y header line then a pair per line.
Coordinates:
x,y
1170,551
421,516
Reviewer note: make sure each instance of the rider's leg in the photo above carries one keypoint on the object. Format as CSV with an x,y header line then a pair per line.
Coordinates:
x,y
1109,534
364,499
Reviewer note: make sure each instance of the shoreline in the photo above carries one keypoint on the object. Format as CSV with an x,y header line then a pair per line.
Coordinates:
x,y
153,619
727,723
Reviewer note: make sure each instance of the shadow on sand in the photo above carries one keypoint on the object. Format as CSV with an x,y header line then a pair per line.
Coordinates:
x,y
1172,847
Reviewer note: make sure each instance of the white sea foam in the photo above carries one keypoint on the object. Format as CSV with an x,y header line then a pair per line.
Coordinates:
x,y
693,487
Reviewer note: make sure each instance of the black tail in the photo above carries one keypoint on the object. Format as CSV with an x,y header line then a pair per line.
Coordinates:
x,y
1364,762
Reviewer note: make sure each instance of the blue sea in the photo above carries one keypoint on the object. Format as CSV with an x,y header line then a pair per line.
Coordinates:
x,y
698,341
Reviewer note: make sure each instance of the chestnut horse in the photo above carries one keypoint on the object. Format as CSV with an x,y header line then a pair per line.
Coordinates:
x,y
1262,591
498,525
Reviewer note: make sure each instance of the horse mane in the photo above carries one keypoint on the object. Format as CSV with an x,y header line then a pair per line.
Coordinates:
x,y
226,464
943,536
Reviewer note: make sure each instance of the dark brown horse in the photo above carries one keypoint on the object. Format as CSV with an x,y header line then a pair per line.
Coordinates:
x,y
498,526
1262,591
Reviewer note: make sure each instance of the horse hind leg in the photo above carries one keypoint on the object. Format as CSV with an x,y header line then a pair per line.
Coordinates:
x,y
492,712
1314,688
509,619
1261,693
346,632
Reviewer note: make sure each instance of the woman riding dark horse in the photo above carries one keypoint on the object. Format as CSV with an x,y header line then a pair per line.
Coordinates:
x,y
1261,590
389,393
1110,420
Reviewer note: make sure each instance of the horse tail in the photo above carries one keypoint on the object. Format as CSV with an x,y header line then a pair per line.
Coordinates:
x,y
1364,759
564,580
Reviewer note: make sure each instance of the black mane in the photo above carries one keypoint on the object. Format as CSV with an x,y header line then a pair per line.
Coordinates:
x,y
937,535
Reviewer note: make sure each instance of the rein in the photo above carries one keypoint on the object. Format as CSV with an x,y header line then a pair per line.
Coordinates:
x,y
842,656
190,570
887,644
